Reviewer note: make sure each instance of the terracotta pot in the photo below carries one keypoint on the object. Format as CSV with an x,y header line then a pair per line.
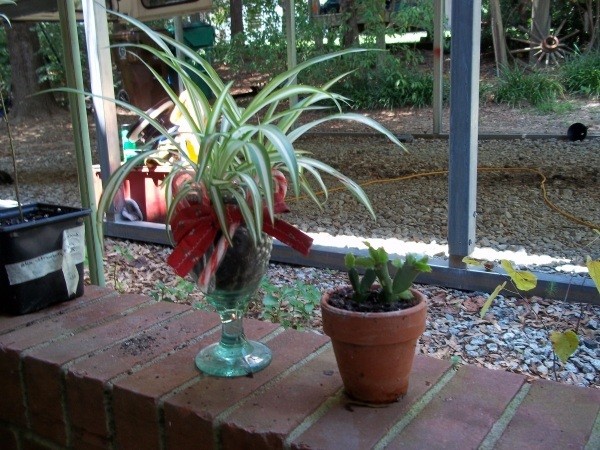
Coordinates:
x,y
375,351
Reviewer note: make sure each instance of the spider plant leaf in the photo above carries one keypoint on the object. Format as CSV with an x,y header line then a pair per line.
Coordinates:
x,y
262,166
350,185
253,218
298,132
274,98
173,201
281,144
317,176
289,75
217,107
219,207
3,16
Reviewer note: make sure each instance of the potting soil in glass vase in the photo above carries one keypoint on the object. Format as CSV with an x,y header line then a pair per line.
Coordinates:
x,y
228,269
228,288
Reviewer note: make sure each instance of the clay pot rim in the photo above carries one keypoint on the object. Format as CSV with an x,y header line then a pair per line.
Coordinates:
x,y
380,314
376,328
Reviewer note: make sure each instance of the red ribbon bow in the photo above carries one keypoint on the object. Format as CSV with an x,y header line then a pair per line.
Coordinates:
x,y
195,227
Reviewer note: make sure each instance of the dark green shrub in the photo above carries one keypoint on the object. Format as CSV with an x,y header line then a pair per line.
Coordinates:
x,y
373,84
581,74
517,87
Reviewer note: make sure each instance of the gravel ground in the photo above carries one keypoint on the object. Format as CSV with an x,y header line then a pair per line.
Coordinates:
x,y
410,197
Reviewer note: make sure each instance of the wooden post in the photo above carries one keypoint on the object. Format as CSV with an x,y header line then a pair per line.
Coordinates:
x,y
438,65
464,115
102,85
540,23
498,36
81,137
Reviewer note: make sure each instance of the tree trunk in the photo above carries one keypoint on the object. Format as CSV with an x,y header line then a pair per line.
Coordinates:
x,y
349,10
540,23
23,49
498,36
237,17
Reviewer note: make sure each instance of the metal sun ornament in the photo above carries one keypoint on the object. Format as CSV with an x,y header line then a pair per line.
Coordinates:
x,y
548,49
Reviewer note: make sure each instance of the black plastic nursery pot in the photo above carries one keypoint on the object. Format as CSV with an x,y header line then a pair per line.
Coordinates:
x,y
41,259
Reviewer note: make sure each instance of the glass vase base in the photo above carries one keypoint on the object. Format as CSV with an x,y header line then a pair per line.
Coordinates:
x,y
233,361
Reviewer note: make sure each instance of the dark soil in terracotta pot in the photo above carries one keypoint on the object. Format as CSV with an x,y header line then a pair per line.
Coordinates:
x,y
342,299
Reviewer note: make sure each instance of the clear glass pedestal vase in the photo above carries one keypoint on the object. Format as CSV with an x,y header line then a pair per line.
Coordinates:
x,y
229,292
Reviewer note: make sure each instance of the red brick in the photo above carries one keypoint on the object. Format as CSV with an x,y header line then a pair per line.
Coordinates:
x,y
88,380
64,325
30,443
80,440
552,415
43,366
136,398
263,423
189,415
348,425
463,412
8,439
12,405
39,331
91,294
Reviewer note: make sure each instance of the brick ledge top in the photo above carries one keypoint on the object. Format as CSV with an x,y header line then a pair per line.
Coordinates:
x,y
117,371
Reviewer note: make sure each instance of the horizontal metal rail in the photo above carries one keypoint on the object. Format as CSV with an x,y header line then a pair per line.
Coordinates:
x,y
409,137
554,286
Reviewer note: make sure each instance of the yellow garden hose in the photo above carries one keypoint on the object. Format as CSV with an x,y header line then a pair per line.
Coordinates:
x,y
538,172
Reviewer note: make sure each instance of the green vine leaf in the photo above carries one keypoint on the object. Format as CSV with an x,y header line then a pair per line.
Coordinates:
x,y
564,344
473,261
523,279
490,299
594,270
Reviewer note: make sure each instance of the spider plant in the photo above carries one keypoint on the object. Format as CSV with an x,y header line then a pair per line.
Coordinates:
x,y
231,152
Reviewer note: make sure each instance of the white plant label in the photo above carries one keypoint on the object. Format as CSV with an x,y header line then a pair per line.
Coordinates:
x,y
66,259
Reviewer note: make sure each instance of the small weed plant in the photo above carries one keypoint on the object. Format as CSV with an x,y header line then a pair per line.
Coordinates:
x,y
124,258
291,306
180,291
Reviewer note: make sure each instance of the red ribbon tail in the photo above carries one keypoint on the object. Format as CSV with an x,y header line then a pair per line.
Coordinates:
x,y
289,235
190,249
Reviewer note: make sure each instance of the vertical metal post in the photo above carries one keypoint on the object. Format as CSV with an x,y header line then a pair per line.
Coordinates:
x,y
81,137
438,65
290,31
464,115
178,26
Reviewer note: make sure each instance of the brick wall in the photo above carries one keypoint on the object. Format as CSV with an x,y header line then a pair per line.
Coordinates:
x,y
110,371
